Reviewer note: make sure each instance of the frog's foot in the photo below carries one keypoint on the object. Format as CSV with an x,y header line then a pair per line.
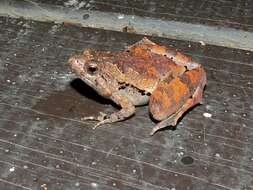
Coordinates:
x,y
95,118
102,118
102,122
172,120
115,117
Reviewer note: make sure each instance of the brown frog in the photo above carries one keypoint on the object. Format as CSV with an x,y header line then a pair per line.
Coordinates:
x,y
145,72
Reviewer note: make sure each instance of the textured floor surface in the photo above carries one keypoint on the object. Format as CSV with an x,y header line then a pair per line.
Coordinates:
x,y
44,145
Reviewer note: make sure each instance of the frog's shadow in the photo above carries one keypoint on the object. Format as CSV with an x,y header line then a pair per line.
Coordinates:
x,y
88,92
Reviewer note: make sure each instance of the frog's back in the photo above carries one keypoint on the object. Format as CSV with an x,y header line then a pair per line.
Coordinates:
x,y
143,71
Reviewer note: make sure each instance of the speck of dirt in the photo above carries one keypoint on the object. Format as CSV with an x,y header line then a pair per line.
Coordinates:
x,y
12,169
86,16
208,115
129,29
121,16
187,160
35,179
94,185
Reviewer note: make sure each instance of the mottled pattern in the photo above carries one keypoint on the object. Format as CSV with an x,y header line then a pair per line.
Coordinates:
x,y
144,71
170,97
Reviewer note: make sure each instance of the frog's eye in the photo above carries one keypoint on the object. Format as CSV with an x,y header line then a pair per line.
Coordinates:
x,y
78,62
92,69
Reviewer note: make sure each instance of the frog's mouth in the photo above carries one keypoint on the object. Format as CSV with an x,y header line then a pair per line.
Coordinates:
x,y
88,81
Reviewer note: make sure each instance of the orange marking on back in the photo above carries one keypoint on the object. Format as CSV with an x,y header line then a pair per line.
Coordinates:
x,y
152,72
179,90
178,70
160,102
141,51
182,58
195,76
158,49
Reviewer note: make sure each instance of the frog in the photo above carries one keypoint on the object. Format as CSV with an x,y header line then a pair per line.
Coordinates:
x,y
169,81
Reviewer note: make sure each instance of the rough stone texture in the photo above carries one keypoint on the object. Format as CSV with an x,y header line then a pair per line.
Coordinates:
x,y
44,145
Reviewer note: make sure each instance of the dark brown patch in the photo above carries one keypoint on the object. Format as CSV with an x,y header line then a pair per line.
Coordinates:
x,y
187,81
129,29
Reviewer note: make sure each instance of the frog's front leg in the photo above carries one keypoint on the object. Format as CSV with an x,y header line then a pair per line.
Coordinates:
x,y
171,100
127,109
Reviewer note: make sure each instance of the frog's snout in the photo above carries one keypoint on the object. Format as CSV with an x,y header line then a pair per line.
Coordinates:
x,y
76,65
72,61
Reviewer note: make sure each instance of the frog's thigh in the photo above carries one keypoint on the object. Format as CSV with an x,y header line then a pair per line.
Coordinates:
x,y
167,98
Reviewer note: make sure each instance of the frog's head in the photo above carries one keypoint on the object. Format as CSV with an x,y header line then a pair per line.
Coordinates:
x,y
86,66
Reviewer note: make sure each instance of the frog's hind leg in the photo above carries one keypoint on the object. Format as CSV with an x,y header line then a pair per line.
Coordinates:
x,y
171,100
172,120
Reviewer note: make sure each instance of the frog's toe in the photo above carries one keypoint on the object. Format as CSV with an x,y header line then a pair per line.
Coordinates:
x,y
88,118
99,124
100,117
171,121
